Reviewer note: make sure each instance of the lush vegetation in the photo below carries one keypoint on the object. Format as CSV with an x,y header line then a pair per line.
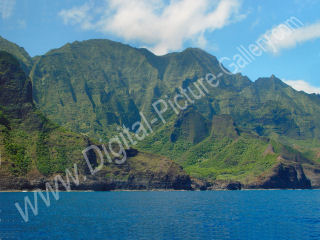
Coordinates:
x,y
94,86
33,147
29,141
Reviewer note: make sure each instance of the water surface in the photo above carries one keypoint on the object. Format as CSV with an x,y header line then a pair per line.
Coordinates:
x,y
166,215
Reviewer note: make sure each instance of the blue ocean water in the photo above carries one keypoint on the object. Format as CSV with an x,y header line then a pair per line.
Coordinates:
x,y
166,215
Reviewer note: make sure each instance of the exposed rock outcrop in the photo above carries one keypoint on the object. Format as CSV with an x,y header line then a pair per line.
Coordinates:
x,y
285,175
204,185
140,172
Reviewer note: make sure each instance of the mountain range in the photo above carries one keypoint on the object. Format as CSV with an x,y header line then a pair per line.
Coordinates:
x,y
238,134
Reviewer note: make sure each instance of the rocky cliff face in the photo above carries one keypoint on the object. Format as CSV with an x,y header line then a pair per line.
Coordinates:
x,y
34,150
222,137
232,137
16,90
136,174
284,175
17,51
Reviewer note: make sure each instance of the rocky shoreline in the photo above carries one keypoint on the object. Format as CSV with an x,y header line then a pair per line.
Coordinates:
x,y
284,175
22,185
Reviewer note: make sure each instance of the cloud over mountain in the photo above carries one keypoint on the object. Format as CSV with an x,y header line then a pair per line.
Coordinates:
x,y
301,85
289,34
157,24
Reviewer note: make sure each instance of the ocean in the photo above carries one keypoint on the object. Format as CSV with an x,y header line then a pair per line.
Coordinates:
x,y
287,214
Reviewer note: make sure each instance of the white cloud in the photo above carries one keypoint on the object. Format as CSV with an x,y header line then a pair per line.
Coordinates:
x,y
301,85
159,25
289,34
78,15
6,8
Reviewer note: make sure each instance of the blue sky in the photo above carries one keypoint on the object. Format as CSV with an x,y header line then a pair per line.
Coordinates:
x,y
218,26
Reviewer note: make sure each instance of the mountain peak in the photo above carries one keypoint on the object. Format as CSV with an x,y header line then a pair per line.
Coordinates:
x,y
17,51
273,76
272,79
15,88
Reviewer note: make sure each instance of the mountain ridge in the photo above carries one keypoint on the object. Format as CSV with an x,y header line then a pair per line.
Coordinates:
x,y
35,151
95,86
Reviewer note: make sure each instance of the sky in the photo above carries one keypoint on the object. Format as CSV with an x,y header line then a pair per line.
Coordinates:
x,y
227,29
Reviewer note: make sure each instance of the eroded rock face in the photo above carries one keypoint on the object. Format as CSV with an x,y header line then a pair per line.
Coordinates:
x,y
204,185
287,175
15,87
98,183
165,174
190,126
313,174
284,175
142,171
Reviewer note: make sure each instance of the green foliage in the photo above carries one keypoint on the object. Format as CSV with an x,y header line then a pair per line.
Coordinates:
x,y
43,162
31,142
51,160
94,86
18,52
20,162
216,158
239,159
115,81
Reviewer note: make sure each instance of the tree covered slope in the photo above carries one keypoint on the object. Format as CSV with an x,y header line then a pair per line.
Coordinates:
x,y
258,133
34,149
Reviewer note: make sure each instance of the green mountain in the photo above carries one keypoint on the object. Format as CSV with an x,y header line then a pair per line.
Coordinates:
x,y
92,85
30,143
254,134
19,52
34,150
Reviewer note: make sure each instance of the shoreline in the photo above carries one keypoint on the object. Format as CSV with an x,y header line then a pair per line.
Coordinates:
x,y
164,190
